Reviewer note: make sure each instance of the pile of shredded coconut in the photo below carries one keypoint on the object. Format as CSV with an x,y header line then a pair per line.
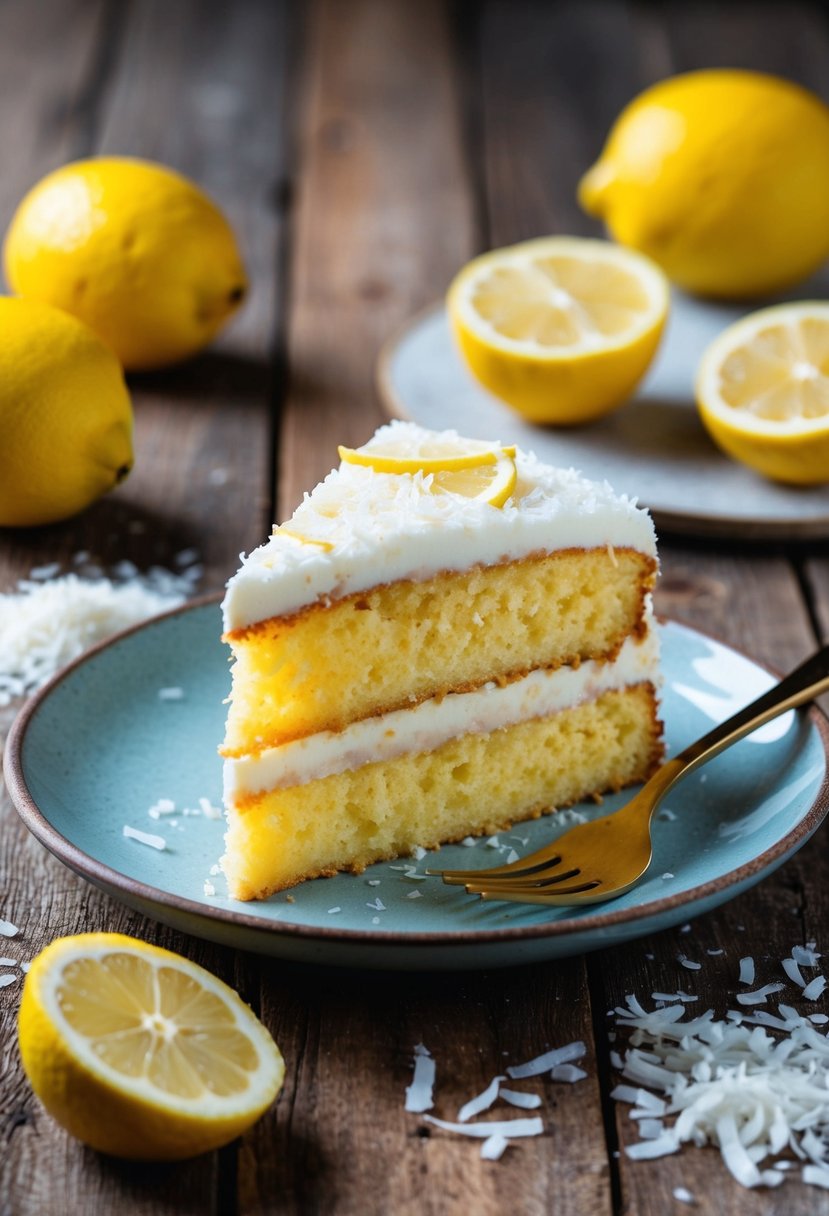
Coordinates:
x,y
754,1084
52,618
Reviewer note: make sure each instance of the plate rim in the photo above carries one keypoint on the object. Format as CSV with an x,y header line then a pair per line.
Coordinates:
x,y
686,523
114,881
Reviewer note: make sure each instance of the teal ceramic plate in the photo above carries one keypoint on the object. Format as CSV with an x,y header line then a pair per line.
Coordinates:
x,y
655,448
108,739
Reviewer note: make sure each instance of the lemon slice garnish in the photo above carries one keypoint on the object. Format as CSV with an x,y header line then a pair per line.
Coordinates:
x,y
139,1052
763,391
561,328
490,483
428,456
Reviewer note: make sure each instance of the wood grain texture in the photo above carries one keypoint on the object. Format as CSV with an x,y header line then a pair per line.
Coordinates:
x,y
363,150
383,216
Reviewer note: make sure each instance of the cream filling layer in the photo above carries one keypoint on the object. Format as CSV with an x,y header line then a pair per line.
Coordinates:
x,y
426,726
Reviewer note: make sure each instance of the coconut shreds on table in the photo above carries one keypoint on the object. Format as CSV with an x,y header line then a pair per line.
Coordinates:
x,y
148,838
419,1093
46,622
548,1061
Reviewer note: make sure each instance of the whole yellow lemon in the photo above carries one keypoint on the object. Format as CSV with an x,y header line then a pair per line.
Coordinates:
x,y
135,250
722,177
65,415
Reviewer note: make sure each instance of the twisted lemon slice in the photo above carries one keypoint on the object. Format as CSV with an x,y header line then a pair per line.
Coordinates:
x,y
468,467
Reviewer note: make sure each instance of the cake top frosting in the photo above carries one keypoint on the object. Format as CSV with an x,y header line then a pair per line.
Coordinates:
x,y
360,527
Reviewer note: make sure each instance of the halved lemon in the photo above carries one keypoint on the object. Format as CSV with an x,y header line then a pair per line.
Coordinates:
x,y
763,391
139,1052
560,328
428,455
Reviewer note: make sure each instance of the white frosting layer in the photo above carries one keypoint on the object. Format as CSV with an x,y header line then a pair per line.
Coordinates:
x,y
433,722
383,527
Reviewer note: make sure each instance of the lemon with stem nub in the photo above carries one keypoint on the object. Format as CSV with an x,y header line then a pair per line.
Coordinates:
x,y
722,177
763,392
140,1053
135,250
65,415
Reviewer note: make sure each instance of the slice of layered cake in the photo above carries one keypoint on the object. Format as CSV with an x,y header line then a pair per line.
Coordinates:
x,y
445,638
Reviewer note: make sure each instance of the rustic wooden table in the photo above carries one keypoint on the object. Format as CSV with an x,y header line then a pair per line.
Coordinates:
x,y
364,149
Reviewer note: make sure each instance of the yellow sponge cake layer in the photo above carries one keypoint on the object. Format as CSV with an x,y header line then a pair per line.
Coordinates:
x,y
398,644
469,785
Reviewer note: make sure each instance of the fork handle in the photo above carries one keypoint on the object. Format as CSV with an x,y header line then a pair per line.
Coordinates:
x,y
801,685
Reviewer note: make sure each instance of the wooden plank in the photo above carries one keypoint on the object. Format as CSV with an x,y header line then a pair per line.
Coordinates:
x,y
199,87
383,216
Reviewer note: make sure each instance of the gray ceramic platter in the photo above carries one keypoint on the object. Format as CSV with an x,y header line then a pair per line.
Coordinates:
x,y
654,448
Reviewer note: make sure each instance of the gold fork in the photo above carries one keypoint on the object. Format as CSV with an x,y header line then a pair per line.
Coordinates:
x,y
604,858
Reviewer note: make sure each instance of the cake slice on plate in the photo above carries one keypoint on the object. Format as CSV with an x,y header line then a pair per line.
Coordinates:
x,y
447,636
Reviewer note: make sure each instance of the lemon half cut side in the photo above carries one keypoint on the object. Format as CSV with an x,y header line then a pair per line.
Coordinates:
x,y
763,392
560,328
140,1053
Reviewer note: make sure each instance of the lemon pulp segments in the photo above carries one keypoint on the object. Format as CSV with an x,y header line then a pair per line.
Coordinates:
x,y
763,391
140,1052
560,328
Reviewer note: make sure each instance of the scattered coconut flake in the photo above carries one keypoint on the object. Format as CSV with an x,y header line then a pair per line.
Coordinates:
x,y
493,843
375,920
481,1102
651,1129
760,995
414,895
209,889
43,572
568,1073
511,857
747,970
215,869
171,694
493,1147
164,806
419,1093
816,1175
806,956
418,852
667,875
814,988
666,814
683,1195
8,962
517,1097
377,905
209,810
469,842
673,996
818,1019
792,970
714,953
685,928
511,1128
7,979
686,962
24,967
148,838
332,911
7,929
374,882
547,1061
